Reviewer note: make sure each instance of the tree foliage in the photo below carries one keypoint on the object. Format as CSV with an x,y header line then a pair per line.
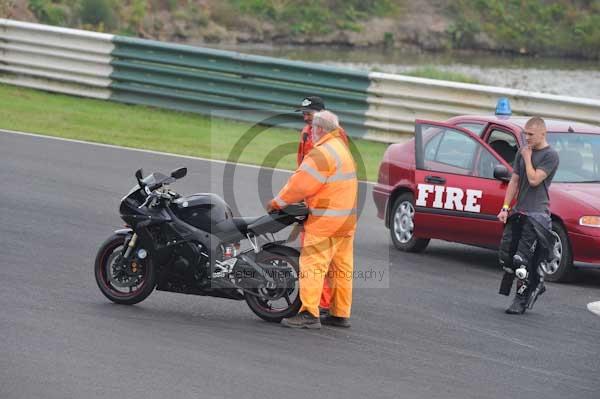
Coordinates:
x,y
530,26
539,27
316,16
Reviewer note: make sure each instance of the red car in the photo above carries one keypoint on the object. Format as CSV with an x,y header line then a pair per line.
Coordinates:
x,y
449,183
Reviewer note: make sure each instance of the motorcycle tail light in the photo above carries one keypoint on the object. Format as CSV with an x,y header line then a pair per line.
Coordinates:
x,y
590,221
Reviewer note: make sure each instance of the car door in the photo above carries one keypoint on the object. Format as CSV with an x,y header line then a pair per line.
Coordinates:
x,y
457,197
503,142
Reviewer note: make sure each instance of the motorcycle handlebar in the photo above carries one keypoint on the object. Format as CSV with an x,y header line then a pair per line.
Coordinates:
x,y
158,195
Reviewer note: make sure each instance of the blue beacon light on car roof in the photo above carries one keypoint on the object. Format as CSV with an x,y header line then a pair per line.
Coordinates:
x,y
503,107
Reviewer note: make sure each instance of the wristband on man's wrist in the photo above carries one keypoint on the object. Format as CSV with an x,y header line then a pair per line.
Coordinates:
x,y
506,208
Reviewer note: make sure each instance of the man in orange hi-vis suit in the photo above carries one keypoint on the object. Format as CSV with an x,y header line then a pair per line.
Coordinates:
x,y
326,181
309,106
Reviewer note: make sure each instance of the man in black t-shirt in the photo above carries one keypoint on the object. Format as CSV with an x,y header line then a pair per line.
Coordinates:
x,y
528,224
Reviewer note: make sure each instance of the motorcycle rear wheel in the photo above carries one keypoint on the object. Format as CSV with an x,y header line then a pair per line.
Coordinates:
x,y
122,289
275,310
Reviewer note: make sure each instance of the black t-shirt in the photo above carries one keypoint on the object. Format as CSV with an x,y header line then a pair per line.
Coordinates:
x,y
535,199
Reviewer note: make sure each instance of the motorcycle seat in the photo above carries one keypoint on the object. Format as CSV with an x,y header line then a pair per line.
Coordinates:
x,y
271,223
242,223
237,228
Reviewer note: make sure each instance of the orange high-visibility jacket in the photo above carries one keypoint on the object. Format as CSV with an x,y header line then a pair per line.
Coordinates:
x,y
306,143
326,181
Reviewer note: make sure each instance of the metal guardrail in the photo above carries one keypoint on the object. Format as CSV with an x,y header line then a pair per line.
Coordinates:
x,y
232,85
55,59
395,101
374,106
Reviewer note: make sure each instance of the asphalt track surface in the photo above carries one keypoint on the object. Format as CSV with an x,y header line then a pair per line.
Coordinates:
x,y
433,327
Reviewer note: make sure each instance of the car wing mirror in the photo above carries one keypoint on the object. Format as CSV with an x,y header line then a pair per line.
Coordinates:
x,y
179,173
501,172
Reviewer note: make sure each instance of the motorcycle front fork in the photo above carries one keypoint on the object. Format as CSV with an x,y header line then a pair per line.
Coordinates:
x,y
130,246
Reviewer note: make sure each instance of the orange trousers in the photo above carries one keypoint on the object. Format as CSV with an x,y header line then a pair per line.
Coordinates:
x,y
325,302
331,258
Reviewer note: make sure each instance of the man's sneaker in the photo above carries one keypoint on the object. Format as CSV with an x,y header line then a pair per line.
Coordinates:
x,y
323,312
519,305
302,320
335,321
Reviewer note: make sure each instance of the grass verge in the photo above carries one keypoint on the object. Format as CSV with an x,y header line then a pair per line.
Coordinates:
x,y
431,72
155,129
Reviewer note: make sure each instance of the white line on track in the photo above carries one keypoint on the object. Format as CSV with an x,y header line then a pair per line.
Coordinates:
x,y
594,307
148,151
136,149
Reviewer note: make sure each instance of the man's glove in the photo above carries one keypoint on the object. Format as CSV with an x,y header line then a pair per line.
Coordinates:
x,y
270,207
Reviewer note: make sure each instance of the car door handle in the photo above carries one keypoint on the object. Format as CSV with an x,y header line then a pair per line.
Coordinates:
x,y
435,179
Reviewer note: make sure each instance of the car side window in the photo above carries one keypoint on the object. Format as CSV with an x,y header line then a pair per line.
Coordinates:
x,y
486,163
450,151
504,144
474,127
431,148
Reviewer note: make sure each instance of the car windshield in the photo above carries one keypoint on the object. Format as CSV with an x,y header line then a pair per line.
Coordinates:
x,y
579,156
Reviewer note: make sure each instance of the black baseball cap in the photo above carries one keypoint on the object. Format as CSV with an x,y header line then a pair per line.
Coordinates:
x,y
311,103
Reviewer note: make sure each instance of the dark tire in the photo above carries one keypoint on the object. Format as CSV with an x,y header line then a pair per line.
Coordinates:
x,y
562,270
105,261
402,218
263,308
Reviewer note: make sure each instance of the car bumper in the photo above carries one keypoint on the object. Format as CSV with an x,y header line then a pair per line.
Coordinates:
x,y
586,249
381,196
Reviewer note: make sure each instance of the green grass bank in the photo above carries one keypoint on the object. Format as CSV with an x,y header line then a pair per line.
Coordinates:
x,y
565,28
149,128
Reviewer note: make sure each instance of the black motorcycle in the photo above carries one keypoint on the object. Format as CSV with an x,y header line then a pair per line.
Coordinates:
x,y
193,245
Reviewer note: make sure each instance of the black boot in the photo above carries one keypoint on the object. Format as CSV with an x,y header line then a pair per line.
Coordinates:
x,y
335,321
519,304
302,320
535,294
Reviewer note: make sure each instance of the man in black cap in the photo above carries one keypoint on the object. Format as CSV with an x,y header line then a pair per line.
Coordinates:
x,y
309,106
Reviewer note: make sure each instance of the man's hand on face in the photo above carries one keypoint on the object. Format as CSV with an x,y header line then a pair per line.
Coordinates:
x,y
526,153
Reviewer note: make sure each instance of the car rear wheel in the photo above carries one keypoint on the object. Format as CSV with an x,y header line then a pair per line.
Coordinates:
x,y
402,225
561,269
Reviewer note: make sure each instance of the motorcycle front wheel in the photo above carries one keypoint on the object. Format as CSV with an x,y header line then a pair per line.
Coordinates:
x,y
282,300
125,283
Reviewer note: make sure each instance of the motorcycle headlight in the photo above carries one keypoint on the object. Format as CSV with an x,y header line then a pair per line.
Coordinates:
x,y
590,221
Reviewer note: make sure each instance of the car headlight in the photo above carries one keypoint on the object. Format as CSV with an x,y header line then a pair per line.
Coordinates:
x,y
590,221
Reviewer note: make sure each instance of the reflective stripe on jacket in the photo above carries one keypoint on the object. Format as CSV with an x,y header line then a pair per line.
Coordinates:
x,y
306,143
326,181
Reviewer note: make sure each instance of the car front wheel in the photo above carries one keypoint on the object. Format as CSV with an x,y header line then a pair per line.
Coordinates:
x,y
402,225
561,268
